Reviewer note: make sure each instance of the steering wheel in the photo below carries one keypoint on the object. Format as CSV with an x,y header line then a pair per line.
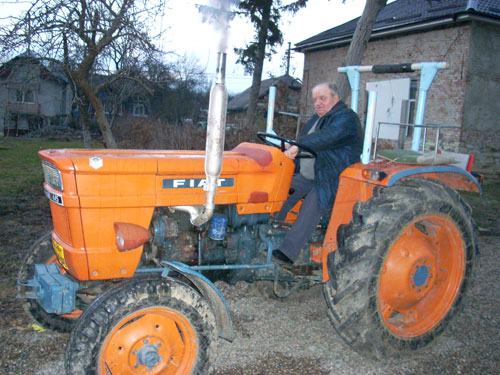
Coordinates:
x,y
264,138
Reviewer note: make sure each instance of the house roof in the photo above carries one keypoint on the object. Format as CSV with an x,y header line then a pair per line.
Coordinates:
x,y
29,58
240,101
407,15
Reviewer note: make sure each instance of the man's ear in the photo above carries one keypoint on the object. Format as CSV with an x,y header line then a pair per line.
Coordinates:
x,y
335,99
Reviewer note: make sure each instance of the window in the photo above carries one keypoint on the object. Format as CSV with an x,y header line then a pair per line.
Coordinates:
x,y
109,108
25,96
139,110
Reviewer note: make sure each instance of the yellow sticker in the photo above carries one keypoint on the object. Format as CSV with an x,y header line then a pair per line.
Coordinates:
x,y
37,328
59,253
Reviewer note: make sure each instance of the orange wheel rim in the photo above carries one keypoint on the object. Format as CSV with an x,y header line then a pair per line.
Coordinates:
x,y
150,341
421,276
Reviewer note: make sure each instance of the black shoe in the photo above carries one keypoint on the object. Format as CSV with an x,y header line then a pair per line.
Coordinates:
x,y
280,258
276,223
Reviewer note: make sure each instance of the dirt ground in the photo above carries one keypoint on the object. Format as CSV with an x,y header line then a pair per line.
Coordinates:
x,y
292,336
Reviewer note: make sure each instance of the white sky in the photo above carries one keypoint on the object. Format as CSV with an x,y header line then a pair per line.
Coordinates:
x,y
187,34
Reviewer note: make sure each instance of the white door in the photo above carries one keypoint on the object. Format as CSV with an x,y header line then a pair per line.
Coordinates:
x,y
392,99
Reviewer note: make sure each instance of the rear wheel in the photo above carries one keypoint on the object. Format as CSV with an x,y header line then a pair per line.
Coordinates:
x,y
147,325
403,265
41,252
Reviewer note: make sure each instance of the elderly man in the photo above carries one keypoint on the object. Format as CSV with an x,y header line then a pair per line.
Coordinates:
x,y
335,134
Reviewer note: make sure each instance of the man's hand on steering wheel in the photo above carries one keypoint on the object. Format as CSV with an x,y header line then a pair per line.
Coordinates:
x,y
295,149
292,152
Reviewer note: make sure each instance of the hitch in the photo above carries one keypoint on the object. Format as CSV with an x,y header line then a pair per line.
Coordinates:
x,y
54,292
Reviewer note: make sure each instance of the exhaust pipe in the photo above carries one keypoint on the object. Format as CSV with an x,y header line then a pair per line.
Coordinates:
x,y
214,149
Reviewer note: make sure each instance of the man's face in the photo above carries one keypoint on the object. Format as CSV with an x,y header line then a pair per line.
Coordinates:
x,y
323,99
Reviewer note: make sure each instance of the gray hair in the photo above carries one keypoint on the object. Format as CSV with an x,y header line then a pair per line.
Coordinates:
x,y
331,86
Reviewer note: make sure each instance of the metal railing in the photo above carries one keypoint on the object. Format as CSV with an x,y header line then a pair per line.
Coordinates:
x,y
425,127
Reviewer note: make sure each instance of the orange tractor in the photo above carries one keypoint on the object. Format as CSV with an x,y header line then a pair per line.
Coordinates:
x,y
140,236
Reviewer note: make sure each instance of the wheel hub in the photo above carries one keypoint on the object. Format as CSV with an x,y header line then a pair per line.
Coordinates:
x,y
420,276
407,276
148,356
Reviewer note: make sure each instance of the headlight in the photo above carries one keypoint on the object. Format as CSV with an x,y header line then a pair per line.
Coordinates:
x,y
52,176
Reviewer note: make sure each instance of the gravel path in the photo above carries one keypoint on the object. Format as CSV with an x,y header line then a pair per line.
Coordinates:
x,y
294,336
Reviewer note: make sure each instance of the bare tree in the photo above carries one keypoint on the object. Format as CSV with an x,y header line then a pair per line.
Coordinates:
x,y
85,37
359,41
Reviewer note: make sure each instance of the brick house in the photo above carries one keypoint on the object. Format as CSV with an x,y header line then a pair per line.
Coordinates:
x,y
32,96
466,34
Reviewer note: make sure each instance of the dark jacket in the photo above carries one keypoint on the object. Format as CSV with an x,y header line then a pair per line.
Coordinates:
x,y
338,143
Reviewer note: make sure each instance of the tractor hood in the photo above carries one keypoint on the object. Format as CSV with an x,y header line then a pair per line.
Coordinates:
x,y
111,178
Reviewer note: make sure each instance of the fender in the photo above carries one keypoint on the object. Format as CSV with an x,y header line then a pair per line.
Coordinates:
x,y
212,294
464,180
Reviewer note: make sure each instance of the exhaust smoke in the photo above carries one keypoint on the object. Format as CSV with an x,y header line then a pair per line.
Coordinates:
x,y
218,14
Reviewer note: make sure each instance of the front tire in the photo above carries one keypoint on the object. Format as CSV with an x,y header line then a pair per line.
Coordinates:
x,y
147,325
403,265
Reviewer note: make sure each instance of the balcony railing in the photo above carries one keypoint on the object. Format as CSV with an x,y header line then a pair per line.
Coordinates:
x,y
23,108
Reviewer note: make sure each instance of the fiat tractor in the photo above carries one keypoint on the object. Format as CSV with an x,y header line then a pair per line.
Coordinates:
x,y
140,236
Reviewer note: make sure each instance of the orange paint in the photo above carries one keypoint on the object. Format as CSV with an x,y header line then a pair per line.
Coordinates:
x,y
125,186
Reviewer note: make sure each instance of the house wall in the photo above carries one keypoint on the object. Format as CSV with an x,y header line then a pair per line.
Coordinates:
x,y
481,125
52,97
469,48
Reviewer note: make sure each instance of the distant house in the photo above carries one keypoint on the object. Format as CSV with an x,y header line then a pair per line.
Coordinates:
x,y
287,98
32,96
466,34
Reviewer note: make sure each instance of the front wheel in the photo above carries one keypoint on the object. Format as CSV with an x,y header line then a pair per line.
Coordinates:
x,y
147,325
403,265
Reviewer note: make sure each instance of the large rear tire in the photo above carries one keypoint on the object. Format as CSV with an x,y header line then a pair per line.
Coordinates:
x,y
149,325
403,265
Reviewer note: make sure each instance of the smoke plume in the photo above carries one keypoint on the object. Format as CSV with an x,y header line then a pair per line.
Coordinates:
x,y
218,13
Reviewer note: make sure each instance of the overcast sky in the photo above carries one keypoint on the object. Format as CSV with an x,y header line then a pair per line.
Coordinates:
x,y
189,35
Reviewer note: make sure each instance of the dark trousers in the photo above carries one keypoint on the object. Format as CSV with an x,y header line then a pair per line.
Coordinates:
x,y
307,220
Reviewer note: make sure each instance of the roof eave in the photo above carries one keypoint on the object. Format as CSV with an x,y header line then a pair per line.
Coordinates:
x,y
394,30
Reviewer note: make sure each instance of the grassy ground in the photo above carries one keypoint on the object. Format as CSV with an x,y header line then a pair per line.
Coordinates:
x,y
20,166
